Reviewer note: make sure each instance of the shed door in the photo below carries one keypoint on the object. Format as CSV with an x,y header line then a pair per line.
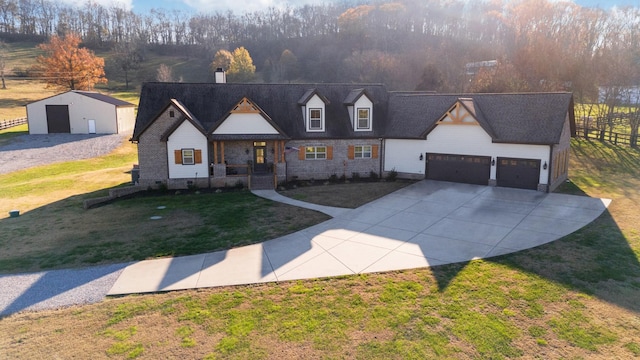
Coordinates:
x,y
58,119
518,173
92,126
459,168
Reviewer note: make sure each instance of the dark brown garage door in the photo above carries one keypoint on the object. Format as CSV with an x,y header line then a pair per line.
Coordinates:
x,y
518,173
58,119
459,168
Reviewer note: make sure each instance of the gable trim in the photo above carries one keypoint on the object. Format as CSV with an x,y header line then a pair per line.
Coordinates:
x,y
179,123
185,113
246,106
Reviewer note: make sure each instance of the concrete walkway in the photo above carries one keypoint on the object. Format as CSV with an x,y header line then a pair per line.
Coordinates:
x,y
426,224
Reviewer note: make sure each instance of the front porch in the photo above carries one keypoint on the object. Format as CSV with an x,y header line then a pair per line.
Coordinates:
x,y
258,164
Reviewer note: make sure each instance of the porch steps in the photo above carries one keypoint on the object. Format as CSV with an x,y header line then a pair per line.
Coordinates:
x,y
262,182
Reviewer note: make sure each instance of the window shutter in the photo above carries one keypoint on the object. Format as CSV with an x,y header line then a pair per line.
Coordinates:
x,y
198,156
351,153
374,151
178,156
301,152
329,152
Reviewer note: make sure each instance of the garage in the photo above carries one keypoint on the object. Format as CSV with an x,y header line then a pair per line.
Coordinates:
x,y
80,112
518,173
58,119
459,168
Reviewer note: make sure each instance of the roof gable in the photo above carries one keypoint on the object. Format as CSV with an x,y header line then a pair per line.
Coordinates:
x,y
185,115
354,95
460,114
246,118
304,99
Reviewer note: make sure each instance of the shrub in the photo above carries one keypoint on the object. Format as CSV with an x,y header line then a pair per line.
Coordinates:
x,y
163,187
392,175
333,178
355,176
373,175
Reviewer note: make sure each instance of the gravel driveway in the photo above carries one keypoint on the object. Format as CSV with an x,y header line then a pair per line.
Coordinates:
x,y
27,151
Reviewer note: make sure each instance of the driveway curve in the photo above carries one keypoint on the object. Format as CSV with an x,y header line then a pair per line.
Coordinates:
x,y
426,224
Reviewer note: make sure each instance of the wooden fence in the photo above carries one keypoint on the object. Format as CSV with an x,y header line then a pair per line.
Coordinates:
x,y
5,124
606,135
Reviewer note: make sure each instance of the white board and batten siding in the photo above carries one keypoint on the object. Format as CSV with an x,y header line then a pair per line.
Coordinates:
x,y
245,124
186,136
404,155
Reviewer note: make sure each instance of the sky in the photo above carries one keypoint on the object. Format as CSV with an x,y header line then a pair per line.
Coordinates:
x,y
239,7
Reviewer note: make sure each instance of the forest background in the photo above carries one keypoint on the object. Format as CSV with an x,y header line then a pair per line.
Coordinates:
x,y
437,45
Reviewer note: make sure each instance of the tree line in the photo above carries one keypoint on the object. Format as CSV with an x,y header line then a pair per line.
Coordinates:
x,y
537,45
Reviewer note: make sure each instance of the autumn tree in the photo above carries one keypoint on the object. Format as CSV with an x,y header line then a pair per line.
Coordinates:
x,y
241,68
288,65
68,66
222,60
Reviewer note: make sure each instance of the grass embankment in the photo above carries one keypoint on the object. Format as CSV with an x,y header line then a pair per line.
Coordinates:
x,y
573,298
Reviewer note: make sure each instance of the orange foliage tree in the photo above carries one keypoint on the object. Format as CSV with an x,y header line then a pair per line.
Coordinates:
x,y
68,66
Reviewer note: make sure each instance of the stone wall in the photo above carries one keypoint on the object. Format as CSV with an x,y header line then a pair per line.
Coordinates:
x,y
340,164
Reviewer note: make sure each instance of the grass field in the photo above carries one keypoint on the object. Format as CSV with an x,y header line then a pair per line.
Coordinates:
x,y
574,298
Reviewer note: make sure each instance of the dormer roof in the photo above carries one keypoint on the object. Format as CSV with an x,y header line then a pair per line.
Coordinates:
x,y
304,99
354,95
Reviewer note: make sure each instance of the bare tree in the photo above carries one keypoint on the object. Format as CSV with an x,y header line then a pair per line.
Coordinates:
x,y
3,62
164,74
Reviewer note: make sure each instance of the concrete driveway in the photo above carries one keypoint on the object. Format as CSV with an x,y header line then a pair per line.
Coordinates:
x,y
426,224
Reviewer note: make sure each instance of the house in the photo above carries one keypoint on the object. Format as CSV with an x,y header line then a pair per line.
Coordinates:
x,y
80,112
263,134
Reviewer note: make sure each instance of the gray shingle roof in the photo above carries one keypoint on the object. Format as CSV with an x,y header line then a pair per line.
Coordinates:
x,y
527,118
209,103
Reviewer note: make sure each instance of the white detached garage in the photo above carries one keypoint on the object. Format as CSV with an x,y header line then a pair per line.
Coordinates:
x,y
81,112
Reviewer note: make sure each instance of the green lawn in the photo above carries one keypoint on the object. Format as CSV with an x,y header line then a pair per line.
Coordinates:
x,y
574,298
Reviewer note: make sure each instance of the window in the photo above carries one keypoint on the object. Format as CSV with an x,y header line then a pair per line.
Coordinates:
x,y
315,152
188,157
172,113
315,119
362,151
363,118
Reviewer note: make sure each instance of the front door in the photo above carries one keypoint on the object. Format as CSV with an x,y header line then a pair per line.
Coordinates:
x,y
260,156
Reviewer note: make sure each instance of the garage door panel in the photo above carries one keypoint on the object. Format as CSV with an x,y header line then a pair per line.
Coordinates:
x,y
518,173
459,168
58,119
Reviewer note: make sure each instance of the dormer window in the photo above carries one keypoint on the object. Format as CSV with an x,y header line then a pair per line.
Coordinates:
x,y
315,119
360,109
364,119
313,106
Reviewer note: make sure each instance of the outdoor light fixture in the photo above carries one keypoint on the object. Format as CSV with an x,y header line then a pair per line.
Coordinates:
x,y
493,162
421,157
544,167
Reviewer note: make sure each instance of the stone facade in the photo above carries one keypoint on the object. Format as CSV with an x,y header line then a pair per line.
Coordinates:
x,y
339,165
152,151
559,170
